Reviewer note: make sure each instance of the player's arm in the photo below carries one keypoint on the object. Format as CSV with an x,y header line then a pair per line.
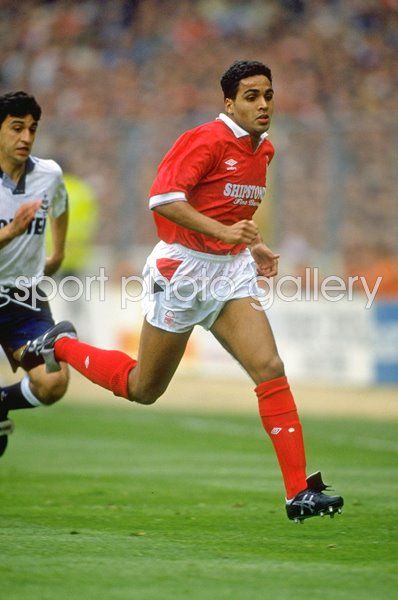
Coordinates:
x,y
22,219
266,260
182,213
59,227
193,156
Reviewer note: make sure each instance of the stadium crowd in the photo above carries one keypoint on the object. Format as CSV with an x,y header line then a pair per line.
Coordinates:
x,y
120,79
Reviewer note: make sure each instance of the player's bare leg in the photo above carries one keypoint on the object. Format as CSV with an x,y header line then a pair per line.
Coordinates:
x,y
244,331
159,355
48,388
142,381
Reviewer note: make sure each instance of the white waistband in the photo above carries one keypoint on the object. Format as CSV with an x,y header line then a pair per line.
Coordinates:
x,y
206,256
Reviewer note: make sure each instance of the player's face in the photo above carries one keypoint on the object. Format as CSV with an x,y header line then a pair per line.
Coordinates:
x,y
253,106
17,135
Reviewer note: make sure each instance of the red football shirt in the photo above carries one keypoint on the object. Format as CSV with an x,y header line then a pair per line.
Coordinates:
x,y
215,169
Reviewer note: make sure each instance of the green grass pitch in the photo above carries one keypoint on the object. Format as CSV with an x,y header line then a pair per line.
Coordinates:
x,y
145,503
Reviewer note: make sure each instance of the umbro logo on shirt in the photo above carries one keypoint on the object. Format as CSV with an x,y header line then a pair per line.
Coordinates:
x,y
231,164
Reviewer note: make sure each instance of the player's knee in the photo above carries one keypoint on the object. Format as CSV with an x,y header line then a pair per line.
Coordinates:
x,y
147,399
52,388
145,395
143,398
272,369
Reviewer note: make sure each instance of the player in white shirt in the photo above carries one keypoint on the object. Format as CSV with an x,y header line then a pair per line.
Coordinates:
x,y
32,192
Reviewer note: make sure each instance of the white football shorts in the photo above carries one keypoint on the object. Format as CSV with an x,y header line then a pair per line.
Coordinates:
x,y
184,288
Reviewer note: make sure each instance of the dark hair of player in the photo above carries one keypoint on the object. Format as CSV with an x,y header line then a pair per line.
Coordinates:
x,y
240,70
19,104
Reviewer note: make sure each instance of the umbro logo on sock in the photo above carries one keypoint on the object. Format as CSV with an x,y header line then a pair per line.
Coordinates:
x,y
276,430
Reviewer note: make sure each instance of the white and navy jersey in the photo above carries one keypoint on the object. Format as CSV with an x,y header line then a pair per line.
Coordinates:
x,y
25,254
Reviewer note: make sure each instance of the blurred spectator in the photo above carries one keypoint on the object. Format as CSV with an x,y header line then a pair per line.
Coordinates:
x,y
372,262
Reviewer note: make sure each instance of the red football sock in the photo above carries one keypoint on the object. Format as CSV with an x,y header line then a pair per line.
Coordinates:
x,y
280,420
108,368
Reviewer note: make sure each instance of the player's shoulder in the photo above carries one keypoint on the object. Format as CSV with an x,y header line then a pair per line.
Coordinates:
x,y
46,166
205,136
207,129
213,128
269,150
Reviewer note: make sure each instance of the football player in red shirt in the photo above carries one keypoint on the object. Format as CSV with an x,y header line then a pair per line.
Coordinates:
x,y
203,272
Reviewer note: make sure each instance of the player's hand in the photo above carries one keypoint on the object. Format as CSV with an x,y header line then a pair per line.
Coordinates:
x,y
242,232
266,260
23,217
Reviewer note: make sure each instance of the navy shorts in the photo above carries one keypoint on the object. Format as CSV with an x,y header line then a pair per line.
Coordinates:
x,y
21,322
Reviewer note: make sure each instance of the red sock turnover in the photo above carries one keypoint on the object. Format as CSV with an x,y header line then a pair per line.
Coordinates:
x,y
107,368
280,420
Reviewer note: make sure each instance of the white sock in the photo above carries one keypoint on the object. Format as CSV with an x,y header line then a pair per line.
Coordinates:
x,y
28,394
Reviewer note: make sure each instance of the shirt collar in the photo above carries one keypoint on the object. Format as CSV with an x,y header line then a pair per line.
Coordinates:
x,y
30,165
19,188
237,129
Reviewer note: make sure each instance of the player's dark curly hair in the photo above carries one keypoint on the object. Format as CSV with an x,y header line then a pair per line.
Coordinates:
x,y
240,70
19,104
